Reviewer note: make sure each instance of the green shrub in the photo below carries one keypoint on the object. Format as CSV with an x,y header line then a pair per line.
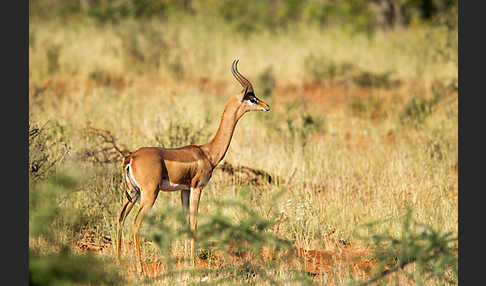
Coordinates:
x,y
52,54
65,268
300,125
369,107
433,252
322,69
418,109
49,219
266,82
375,80
105,78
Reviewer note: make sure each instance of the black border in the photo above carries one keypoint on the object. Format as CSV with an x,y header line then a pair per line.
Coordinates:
x,y
15,146
471,91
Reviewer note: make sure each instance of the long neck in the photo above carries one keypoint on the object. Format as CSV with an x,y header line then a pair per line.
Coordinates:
x,y
217,147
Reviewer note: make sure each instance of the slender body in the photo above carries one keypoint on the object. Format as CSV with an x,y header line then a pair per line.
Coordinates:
x,y
186,169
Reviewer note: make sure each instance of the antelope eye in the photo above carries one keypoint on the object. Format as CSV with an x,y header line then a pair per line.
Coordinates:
x,y
253,99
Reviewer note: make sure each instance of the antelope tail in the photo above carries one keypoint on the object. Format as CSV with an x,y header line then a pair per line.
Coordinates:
x,y
130,182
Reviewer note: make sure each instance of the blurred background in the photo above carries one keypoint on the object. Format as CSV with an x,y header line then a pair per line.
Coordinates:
x,y
363,128
199,38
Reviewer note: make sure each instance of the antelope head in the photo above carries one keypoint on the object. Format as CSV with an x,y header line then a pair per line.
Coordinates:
x,y
246,99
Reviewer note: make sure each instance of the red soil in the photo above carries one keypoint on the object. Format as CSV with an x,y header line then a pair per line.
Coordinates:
x,y
314,261
326,262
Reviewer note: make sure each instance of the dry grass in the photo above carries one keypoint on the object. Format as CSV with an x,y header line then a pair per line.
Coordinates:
x,y
347,166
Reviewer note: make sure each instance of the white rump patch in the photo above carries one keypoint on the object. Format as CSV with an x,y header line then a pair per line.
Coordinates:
x,y
129,165
135,187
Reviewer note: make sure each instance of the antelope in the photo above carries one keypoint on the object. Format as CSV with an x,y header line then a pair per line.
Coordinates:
x,y
187,169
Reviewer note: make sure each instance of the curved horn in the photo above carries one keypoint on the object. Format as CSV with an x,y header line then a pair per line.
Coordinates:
x,y
245,83
236,74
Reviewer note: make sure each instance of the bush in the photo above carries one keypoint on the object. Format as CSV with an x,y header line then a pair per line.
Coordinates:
x,y
66,268
324,70
418,109
369,107
47,149
221,235
300,125
49,219
52,54
431,250
267,82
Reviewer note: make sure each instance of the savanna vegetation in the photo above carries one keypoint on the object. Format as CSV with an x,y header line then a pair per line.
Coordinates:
x,y
351,179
